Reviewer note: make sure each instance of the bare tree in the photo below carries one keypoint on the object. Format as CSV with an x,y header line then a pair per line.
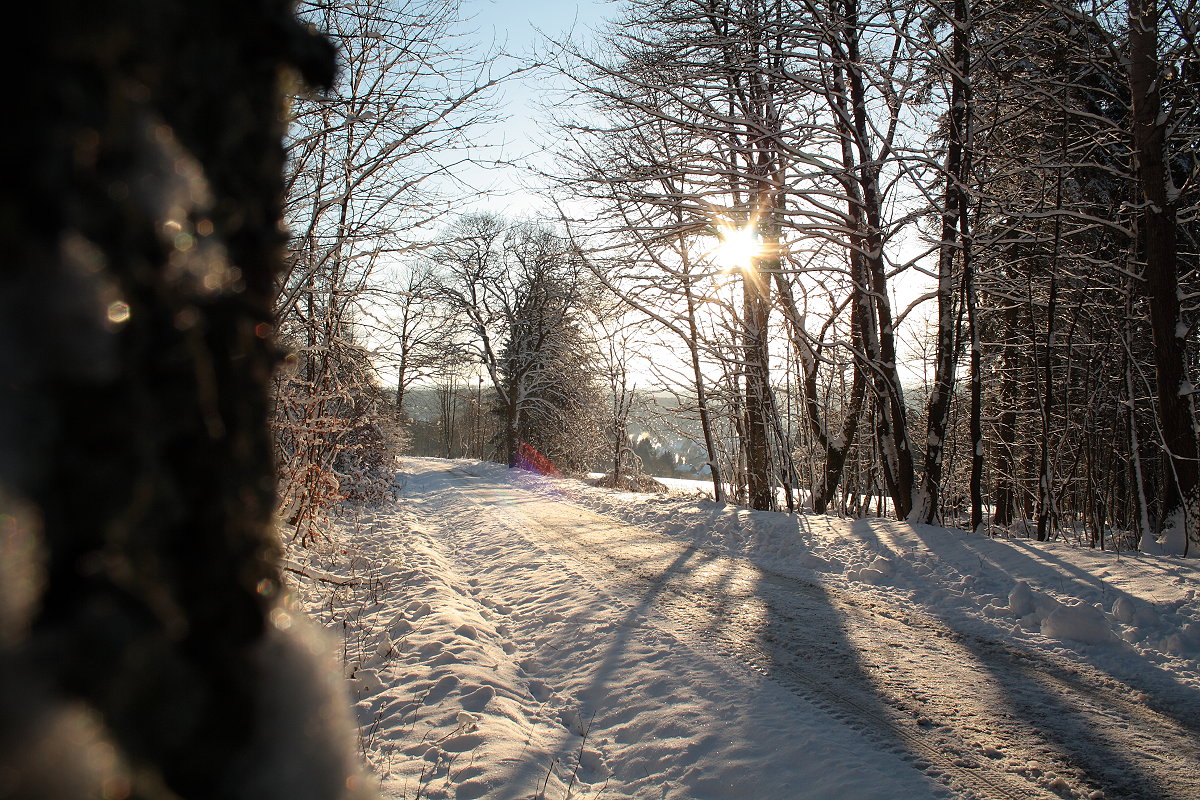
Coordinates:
x,y
694,103
417,342
523,293
784,114
953,260
368,169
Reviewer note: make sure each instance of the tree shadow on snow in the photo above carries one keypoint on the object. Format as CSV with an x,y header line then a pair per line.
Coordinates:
x,y
781,636
1051,696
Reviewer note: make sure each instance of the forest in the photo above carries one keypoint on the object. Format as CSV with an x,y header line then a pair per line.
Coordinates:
x,y
930,261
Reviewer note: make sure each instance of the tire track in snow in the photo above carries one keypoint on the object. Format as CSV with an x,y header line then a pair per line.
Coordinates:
x,y
1162,735
683,616
706,620
929,722
1080,691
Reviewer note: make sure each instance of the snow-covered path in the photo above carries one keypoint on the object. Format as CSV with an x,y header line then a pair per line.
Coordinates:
x,y
610,636
561,652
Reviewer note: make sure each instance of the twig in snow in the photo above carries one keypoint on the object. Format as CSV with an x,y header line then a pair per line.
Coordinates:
x,y
579,758
319,575
541,795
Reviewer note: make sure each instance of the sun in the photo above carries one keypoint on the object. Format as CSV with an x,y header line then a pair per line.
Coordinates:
x,y
738,248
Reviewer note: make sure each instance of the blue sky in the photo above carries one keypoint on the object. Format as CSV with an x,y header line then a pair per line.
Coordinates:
x,y
515,20
513,26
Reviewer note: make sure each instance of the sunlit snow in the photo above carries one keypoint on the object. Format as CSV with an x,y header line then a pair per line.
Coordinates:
x,y
515,636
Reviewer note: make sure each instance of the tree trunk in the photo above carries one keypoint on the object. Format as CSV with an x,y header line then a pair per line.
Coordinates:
x,y
1045,496
1046,513
1006,467
868,266
706,425
1176,413
950,249
976,383
140,228
512,436
1145,531
836,448
756,296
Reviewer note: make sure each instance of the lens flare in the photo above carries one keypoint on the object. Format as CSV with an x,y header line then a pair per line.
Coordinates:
x,y
738,248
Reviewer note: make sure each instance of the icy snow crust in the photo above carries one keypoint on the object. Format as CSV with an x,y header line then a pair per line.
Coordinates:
x,y
512,636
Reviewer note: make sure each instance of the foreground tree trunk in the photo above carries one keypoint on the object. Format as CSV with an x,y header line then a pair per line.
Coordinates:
x,y
141,643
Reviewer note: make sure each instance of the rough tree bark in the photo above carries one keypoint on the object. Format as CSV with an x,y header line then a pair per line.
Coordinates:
x,y
142,647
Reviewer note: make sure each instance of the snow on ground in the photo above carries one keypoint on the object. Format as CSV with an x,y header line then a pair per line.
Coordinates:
x,y
1051,595
507,635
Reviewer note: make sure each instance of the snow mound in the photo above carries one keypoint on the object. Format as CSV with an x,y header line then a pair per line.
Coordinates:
x,y
631,483
1173,541
1123,610
1080,623
1020,599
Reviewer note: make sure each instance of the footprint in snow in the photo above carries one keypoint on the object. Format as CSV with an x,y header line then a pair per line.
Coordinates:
x,y
508,647
440,689
462,743
573,721
592,767
424,751
466,773
540,691
430,650
496,605
477,699
466,631
471,790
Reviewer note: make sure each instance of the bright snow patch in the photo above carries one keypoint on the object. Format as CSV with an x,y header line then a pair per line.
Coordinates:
x,y
511,636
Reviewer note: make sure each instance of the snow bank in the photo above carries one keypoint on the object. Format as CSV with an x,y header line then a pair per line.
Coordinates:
x,y
1075,621
441,699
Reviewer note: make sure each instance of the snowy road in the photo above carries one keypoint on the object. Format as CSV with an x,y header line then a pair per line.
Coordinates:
x,y
660,669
